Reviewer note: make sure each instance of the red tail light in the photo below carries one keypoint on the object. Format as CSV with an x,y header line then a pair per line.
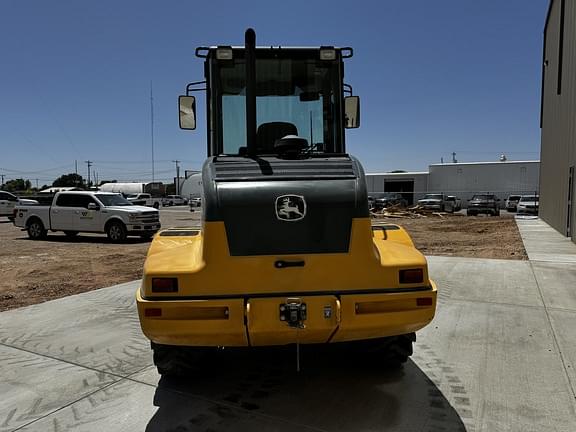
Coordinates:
x,y
153,312
164,285
424,301
411,276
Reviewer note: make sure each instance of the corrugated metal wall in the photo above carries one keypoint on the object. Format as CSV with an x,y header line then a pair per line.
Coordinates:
x,y
499,178
558,116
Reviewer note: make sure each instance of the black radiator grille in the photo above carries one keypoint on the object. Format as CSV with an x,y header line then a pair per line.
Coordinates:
x,y
277,170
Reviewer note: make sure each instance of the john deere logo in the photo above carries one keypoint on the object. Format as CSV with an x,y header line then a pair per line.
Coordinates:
x,y
290,208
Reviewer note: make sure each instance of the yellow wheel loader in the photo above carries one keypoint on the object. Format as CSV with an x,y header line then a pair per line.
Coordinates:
x,y
286,253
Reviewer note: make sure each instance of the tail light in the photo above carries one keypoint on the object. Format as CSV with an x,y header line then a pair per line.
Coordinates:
x,y
164,285
411,276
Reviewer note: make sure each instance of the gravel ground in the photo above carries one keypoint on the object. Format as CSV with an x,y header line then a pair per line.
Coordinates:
x,y
37,271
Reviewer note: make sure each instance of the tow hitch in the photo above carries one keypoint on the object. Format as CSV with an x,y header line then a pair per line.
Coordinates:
x,y
293,313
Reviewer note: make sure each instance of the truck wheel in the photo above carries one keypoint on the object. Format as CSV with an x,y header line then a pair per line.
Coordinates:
x,y
177,360
116,232
396,349
71,234
36,230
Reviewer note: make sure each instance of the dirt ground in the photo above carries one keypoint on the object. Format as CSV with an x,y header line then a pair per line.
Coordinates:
x,y
36,271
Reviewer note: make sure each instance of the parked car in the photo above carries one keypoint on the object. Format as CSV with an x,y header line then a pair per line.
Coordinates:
x,y
97,212
512,202
435,201
172,200
195,202
144,199
453,203
370,202
387,199
483,203
528,205
9,201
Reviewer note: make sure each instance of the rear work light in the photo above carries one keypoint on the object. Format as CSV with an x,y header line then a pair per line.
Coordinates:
x,y
224,53
164,285
411,276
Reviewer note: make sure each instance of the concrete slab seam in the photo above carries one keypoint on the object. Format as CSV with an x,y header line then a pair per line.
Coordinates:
x,y
66,406
113,383
555,338
73,363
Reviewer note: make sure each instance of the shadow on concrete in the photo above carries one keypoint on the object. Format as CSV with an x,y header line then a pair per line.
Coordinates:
x,y
262,390
87,239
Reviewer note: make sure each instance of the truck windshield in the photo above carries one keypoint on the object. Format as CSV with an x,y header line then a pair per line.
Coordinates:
x,y
293,97
113,200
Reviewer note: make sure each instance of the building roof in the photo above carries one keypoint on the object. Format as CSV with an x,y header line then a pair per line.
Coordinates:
x,y
485,163
400,173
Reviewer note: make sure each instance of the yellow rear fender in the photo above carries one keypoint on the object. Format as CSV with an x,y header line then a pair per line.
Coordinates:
x,y
200,261
392,233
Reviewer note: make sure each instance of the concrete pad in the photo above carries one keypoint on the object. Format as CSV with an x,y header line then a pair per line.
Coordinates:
x,y
564,323
502,361
487,280
131,406
544,243
489,361
557,283
97,329
33,386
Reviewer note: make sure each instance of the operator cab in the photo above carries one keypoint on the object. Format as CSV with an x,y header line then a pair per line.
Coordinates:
x,y
297,95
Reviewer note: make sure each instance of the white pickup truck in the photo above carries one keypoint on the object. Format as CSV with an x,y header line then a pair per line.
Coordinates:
x,y
144,199
96,212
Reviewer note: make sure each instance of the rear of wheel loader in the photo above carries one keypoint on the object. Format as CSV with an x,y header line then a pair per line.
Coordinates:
x,y
287,253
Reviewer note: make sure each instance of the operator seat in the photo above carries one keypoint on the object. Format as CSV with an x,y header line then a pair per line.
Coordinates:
x,y
268,133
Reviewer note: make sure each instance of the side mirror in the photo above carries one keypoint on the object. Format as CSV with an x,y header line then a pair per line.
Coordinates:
x,y
187,109
352,111
93,206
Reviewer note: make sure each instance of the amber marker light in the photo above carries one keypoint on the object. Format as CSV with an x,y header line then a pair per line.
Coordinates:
x,y
411,276
164,285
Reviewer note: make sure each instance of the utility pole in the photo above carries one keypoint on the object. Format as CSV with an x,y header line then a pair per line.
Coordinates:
x,y
152,127
454,157
2,175
89,163
177,176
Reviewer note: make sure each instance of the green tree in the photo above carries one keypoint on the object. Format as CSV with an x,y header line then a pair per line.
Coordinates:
x,y
17,185
69,180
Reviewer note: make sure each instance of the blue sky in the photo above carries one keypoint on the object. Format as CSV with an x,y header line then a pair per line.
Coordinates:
x,y
433,76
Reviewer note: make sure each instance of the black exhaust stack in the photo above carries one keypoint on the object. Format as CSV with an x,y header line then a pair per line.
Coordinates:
x,y
250,49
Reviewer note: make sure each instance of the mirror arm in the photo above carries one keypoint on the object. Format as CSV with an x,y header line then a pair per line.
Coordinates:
x,y
347,89
190,87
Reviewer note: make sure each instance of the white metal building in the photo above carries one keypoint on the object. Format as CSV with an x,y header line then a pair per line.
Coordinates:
x,y
412,185
461,179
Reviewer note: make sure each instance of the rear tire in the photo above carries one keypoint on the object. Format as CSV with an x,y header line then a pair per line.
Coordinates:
x,y
396,349
177,360
116,232
36,230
